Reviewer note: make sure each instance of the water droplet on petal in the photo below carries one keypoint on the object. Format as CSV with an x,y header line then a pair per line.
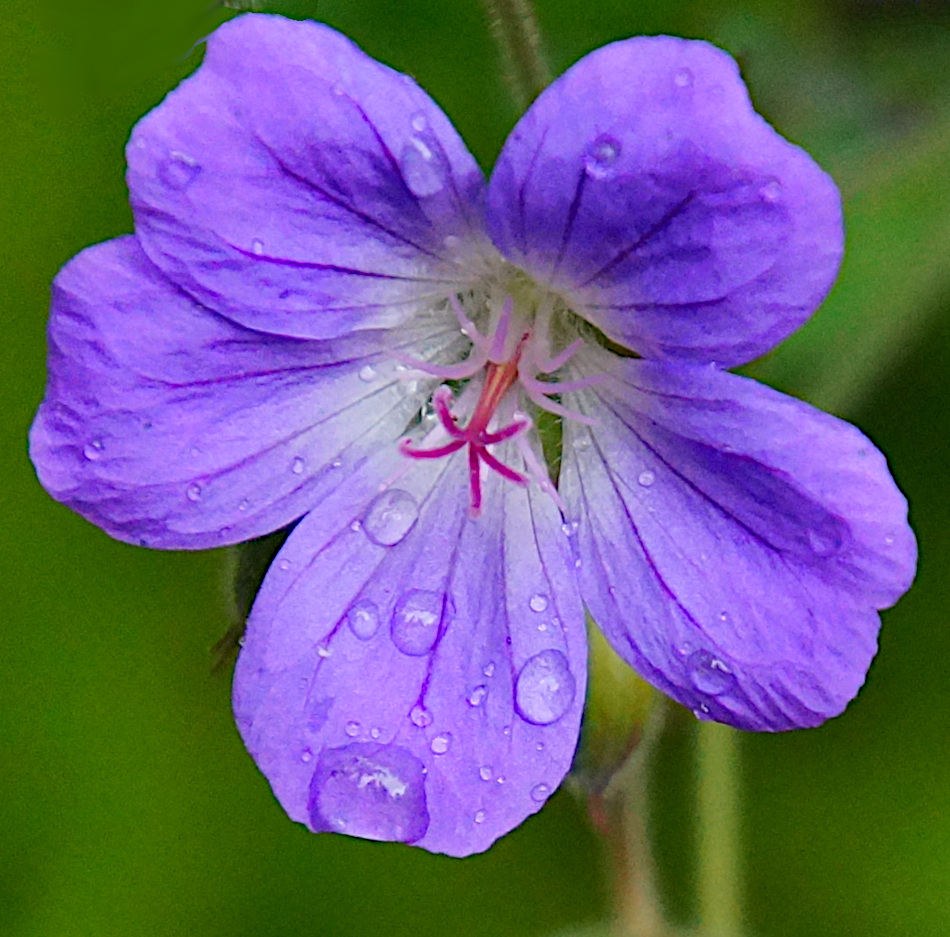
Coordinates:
x,y
540,746
419,123
682,78
538,602
601,156
485,772
367,373
539,792
889,540
771,192
297,466
324,652
477,695
375,733
352,729
93,451
420,716
284,565
371,790
390,517
823,544
646,479
440,744
257,246
356,526
245,504
545,688
416,620
420,170
179,170
489,670
306,756
193,492
480,816
363,619
709,674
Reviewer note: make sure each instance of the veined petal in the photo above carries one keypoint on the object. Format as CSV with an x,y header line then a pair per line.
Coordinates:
x,y
171,426
736,544
298,186
644,187
410,673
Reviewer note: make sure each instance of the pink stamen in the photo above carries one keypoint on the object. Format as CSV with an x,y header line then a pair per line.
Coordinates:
x,y
448,372
538,472
499,378
469,329
558,361
503,367
496,353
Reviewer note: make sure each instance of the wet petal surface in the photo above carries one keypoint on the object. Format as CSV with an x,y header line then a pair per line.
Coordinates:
x,y
169,426
416,687
736,544
298,186
645,188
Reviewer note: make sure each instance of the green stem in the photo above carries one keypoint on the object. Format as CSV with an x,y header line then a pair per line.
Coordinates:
x,y
719,874
515,28
621,815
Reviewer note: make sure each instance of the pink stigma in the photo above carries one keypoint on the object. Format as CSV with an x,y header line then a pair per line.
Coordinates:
x,y
499,378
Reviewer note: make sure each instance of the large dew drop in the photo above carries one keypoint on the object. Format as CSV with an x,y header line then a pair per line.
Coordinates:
x,y
179,170
363,619
709,674
390,517
545,688
370,790
420,169
601,156
416,620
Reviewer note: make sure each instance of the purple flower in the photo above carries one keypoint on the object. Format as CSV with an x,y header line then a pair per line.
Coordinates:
x,y
326,313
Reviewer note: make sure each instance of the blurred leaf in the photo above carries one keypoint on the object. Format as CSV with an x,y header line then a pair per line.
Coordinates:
x,y
897,264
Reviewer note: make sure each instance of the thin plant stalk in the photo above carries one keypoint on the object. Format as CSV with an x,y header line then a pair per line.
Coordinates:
x,y
515,28
621,816
719,871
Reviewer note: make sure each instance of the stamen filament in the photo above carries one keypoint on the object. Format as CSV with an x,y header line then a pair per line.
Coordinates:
x,y
496,352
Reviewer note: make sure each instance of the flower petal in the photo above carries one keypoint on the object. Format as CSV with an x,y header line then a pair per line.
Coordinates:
x,y
410,673
298,186
735,543
170,426
644,187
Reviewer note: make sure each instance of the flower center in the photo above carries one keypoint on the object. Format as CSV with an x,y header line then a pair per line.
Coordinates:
x,y
511,355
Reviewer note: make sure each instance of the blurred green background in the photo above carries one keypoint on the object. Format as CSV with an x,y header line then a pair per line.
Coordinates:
x,y
129,806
